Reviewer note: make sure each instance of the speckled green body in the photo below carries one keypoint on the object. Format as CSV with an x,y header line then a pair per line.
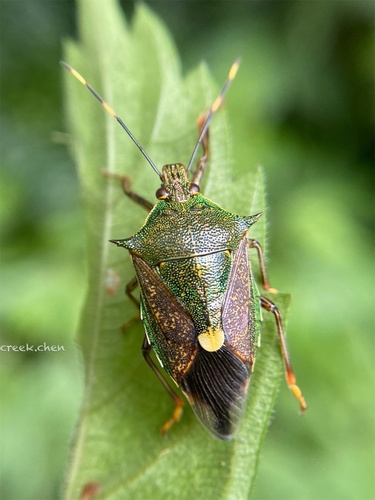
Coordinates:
x,y
198,302
192,266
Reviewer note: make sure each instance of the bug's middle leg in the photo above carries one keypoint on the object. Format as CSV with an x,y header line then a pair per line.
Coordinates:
x,y
129,289
263,271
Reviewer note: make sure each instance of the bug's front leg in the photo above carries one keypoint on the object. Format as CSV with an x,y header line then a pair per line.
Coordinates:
x,y
202,162
289,374
203,121
146,349
125,183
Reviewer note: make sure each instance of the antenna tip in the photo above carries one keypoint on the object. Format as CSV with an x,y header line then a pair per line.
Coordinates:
x,y
234,68
63,63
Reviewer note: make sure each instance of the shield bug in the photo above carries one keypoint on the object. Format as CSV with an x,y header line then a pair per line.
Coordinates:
x,y
199,303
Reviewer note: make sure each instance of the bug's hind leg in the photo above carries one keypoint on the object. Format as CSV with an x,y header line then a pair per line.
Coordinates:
x,y
126,187
271,307
289,374
146,351
176,415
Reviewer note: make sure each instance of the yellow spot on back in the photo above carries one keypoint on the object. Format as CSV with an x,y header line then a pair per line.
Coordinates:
x,y
211,339
199,270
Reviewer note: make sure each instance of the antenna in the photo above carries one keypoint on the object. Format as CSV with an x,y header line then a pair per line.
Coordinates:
x,y
111,112
215,106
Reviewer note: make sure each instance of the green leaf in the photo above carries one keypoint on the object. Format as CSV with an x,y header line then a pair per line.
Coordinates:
x,y
117,442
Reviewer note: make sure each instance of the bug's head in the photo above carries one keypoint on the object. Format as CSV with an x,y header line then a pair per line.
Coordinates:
x,y
175,185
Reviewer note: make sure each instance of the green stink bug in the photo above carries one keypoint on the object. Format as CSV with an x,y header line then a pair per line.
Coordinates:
x,y
198,300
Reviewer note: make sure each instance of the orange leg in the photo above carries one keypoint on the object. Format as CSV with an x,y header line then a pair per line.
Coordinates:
x,y
146,348
289,374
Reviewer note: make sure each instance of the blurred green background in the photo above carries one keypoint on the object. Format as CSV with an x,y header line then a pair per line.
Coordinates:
x,y
302,106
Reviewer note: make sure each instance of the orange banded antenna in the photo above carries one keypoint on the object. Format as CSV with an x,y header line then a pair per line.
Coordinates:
x,y
111,112
215,106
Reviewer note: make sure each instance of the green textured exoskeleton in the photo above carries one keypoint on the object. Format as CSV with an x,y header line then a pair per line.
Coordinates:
x,y
198,302
199,305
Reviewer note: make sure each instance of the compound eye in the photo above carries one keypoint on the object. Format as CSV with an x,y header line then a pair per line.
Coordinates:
x,y
161,193
194,189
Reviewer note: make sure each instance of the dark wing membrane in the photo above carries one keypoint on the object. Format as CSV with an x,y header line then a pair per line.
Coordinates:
x,y
216,387
169,327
